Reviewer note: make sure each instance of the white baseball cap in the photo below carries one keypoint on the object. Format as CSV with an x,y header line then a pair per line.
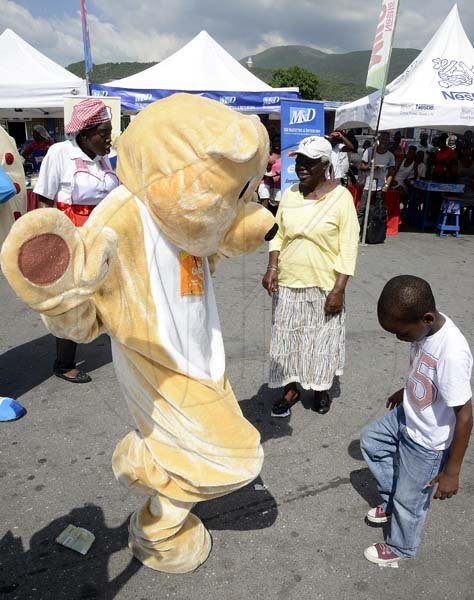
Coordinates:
x,y
313,147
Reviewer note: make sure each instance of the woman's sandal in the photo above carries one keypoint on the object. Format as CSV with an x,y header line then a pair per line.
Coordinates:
x,y
282,407
322,404
81,377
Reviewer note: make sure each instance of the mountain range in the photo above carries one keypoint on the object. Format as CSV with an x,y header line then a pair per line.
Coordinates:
x,y
342,76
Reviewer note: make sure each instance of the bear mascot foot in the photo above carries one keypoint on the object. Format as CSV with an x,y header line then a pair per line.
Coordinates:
x,y
160,545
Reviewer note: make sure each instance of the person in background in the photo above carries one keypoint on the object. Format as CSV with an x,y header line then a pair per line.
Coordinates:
x,y
451,141
466,141
361,150
310,261
75,176
404,174
425,146
36,150
383,173
265,189
341,145
418,447
419,170
354,159
445,162
466,168
396,149
275,175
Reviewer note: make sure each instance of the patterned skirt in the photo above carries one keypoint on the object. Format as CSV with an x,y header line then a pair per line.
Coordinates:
x,y
306,346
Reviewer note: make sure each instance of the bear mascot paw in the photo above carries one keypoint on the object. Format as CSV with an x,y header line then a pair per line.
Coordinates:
x,y
139,271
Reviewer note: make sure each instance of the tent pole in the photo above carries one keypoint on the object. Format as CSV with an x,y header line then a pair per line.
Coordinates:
x,y
372,171
372,166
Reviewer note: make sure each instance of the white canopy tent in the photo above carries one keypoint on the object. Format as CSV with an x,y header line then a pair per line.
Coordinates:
x,y
203,67
435,91
32,85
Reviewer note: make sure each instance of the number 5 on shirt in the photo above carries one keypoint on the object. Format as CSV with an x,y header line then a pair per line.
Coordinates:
x,y
421,390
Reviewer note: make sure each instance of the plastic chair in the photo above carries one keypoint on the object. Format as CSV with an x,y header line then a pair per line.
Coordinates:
x,y
449,214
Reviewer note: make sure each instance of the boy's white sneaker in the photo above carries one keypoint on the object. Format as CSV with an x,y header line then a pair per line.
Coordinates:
x,y
381,554
377,515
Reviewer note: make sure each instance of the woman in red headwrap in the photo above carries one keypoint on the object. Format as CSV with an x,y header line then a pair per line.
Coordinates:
x,y
74,177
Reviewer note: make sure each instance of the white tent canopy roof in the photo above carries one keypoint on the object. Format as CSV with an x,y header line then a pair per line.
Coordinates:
x,y
436,90
31,81
201,65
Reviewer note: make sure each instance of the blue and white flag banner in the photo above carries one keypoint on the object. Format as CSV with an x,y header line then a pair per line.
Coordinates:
x,y
299,119
134,100
85,38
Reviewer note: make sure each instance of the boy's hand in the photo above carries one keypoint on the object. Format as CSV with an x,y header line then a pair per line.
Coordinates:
x,y
395,399
448,485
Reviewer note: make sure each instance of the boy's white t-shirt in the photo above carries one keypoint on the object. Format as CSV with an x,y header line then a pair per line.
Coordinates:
x,y
439,379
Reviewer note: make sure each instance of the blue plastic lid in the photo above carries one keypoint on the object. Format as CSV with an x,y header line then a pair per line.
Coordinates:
x,y
11,410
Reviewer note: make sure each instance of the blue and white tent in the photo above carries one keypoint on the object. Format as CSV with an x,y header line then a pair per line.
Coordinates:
x,y
201,67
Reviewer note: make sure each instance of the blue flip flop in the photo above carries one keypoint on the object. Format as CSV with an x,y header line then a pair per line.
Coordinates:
x,y
11,410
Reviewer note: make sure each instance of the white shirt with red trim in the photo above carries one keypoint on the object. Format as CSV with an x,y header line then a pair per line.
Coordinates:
x,y
439,379
58,168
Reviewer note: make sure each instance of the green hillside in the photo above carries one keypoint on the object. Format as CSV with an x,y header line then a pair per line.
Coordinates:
x,y
109,71
350,67
342,76
331,89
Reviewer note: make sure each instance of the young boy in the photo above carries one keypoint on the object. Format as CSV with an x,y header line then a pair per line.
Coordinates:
x,y
422,440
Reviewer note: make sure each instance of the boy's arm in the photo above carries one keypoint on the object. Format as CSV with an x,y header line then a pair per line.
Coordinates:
x,y
395,399
448,479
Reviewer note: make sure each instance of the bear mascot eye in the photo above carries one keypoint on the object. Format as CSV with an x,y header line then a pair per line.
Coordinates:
x,y
245,188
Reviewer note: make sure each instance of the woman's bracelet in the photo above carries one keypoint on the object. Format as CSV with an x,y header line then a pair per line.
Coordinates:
x,y
272,268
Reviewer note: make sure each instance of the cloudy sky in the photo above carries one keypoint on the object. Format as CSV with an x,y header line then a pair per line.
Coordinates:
x,y
150,30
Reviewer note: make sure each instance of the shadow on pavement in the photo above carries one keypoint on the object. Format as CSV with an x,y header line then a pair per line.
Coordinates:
x,y
354,450
364,484
252,507
257,411
49,570
65,574
26,366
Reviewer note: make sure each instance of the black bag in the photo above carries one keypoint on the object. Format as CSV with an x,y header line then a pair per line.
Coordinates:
x,y
377,224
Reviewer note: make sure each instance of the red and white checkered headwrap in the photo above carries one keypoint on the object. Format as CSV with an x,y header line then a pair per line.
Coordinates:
x,y
87,113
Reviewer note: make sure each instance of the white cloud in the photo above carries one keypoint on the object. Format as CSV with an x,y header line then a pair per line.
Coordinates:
x,y
147,30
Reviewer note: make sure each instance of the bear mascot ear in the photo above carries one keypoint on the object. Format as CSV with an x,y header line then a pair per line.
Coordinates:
x,y
240,142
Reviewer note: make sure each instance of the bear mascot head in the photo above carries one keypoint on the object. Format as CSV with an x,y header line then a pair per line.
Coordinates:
x,y
196,164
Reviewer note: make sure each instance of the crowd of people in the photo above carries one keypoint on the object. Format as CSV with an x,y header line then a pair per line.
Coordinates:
x,y
447,158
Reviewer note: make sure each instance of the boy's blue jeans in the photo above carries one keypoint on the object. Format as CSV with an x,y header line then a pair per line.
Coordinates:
x,y
403,470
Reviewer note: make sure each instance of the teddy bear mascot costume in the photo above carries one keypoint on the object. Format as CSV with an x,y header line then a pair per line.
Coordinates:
x,y
12,206
138,271
12,165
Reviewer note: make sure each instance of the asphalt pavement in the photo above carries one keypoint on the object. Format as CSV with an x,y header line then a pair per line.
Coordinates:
x,y
298,532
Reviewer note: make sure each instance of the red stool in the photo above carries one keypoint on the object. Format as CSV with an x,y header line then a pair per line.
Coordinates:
x,y
392,202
